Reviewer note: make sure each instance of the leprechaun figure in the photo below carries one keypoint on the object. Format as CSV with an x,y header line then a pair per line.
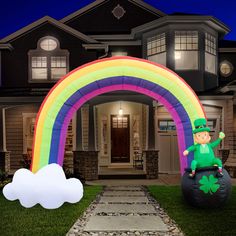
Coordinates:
x,y
203,149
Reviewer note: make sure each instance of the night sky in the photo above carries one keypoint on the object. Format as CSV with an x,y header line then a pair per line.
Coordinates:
x,y
16,14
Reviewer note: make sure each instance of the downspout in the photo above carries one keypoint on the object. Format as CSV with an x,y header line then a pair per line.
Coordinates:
x,y
106,52
97,47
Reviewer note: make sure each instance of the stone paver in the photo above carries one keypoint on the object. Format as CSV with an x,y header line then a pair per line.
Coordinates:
x,y
125,223
124,199
124,193
125,208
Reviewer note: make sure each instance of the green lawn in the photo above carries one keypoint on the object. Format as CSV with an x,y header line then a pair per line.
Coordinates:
x,y
193,221
16,220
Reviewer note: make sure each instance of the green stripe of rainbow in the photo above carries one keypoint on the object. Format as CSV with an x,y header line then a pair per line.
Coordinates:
x,y
96,71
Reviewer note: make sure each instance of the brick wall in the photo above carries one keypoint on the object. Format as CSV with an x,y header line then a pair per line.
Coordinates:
x,y
86,165
5,161
68,164
151,164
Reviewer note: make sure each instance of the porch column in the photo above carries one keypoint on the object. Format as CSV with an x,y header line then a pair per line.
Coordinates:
x,y
151,155
91,138
79,131
4,155
86,162
151,127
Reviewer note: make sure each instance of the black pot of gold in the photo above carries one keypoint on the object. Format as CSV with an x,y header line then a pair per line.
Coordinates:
x,y
207,189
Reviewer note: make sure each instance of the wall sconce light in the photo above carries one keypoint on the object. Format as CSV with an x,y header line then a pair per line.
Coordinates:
x,y
119,54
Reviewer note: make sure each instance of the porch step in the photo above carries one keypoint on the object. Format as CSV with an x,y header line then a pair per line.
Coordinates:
x,y
122,176
121,173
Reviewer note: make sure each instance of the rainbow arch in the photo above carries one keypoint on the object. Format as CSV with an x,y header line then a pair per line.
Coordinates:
x,y
106,75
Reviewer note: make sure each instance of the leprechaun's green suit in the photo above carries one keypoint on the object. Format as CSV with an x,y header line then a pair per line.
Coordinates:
x,y
204,155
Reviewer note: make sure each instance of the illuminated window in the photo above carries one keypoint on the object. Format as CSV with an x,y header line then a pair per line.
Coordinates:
x,y
186,50
48,44
156,49
210,53
58,67
39,68
48,62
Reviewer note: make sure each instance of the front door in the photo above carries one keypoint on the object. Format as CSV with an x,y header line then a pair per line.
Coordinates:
x,y
120,139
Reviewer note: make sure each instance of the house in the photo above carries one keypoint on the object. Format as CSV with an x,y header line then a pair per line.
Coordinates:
x,y
107,134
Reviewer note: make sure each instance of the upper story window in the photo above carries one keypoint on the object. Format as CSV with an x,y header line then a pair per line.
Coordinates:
x,y
48,44
210,53
156,49
48,62
186,50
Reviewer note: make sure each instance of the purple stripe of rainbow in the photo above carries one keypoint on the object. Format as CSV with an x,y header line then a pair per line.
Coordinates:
x,y
148,88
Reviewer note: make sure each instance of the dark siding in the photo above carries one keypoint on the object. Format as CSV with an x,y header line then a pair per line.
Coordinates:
x,y
231,57
210,81
100,20
194,78
15,63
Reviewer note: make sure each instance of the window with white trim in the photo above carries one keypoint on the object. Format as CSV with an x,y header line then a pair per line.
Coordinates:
x,y
48,62
156,49
210,53
39,67
186,50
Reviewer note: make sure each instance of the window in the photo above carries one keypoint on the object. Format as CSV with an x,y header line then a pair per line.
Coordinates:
x,y
156,49
165,125
48,62
186,50
210,53
48,44
212,124
120,122
39,68
58,67
226,68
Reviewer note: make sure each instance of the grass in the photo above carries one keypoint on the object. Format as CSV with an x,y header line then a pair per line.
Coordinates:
x,y
16,220
193,221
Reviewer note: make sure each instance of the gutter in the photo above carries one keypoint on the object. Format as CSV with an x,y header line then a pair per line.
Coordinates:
x,y
104,47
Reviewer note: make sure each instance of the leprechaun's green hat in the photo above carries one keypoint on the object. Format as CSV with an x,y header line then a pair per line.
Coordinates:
x,y
200,125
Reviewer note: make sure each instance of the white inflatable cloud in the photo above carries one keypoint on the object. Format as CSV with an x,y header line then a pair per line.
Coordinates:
x,y
48,187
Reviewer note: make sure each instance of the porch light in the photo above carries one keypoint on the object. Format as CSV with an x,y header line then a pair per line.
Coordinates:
x,y
120,110
119,54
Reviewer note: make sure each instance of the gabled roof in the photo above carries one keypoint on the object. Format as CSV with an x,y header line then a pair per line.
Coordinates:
x,y
48,19
7,46
97,3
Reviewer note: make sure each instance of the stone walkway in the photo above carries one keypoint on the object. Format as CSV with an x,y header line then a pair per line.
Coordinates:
x,y
124,210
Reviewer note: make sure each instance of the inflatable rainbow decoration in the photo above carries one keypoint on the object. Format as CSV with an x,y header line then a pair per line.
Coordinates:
x,y
102,76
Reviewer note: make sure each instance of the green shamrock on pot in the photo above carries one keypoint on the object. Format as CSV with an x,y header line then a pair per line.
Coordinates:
x,y
209,185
